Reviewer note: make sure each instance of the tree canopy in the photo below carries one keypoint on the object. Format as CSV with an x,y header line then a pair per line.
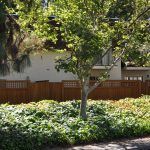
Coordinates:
x,y
11,38
92,28
88,28
16,19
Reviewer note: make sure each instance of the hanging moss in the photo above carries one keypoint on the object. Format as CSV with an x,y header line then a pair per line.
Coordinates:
x,y
21,63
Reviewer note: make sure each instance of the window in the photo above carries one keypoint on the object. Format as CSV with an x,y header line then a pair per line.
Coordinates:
x,y
133,78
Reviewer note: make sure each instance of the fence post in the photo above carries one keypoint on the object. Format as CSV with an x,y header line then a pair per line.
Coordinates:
x,y
3,95
62,90
28,91
146,84
140,88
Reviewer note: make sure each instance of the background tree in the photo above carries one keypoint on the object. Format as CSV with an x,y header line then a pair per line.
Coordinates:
x,y
10,39
138,58
88,30
16,37
138,54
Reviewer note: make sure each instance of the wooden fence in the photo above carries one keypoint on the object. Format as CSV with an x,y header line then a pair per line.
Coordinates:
x,y
25,91
107,90
14,91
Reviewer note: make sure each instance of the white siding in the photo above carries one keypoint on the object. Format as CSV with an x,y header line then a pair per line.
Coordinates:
x,y
115,73
43,68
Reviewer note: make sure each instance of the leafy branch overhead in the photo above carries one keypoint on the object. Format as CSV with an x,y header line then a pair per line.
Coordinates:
x,y
86,29
15,34
92,29
75,26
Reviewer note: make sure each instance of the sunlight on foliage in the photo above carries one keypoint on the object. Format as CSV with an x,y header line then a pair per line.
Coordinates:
x,y
50,123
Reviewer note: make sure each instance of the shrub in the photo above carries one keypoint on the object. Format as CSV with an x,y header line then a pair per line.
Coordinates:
x,y
49,123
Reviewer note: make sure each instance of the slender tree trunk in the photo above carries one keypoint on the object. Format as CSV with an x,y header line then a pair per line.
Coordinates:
x,y
84,96
83,106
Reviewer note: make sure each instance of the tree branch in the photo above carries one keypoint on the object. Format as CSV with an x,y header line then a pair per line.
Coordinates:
x,y
107,72
140,15
118,58
127,29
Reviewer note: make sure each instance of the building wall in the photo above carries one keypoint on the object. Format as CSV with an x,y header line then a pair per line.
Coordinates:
x,y
115,73
136,73
43,68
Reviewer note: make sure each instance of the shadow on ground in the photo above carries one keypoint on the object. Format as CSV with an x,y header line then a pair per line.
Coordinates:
x,y
133,144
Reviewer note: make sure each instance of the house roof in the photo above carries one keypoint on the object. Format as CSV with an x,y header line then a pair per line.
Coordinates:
x,y
97,67
137,68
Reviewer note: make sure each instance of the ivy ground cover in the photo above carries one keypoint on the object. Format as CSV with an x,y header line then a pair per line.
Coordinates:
x,y
50,123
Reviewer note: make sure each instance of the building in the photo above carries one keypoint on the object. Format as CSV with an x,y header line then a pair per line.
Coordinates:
x,y
136,73
43,68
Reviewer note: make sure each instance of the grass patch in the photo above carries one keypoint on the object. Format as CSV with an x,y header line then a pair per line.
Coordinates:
x,y
49,123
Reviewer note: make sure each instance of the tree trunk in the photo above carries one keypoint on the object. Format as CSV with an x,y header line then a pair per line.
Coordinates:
x,y
83,104
84,96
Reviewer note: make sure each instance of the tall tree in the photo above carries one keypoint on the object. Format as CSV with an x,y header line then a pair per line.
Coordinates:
x,y
89,28
16,37
11,38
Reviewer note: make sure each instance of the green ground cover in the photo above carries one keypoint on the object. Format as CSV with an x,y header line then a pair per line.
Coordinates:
x,y
49,123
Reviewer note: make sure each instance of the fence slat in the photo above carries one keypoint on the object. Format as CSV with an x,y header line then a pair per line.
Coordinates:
x,y
55,91
147,87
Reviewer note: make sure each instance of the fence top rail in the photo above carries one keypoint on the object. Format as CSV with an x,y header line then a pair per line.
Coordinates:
x,y
16,80
72,83
107,83
12,84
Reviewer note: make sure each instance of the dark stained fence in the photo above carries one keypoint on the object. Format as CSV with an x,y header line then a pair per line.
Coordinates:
x,y
14,91
55,91
116,90
71,90
39,90
25,91
107,90
143,88
147,87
